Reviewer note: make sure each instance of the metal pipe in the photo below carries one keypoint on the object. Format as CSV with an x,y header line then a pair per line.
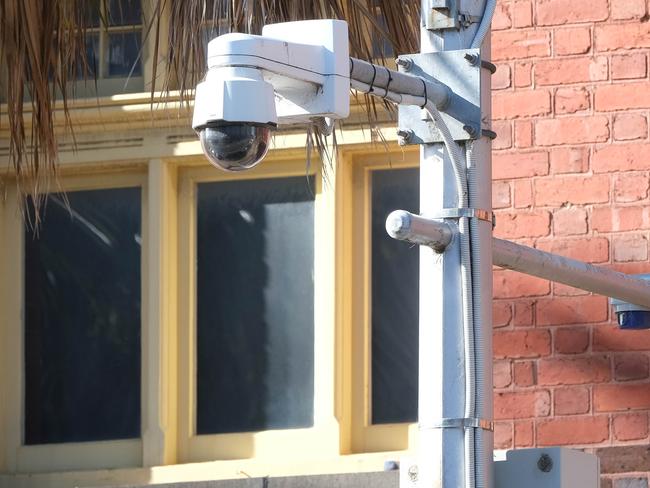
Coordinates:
x,y
438,235
405,226
571,272
397,82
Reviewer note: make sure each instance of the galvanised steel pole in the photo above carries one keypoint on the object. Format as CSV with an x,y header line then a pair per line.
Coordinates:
x,y
441,461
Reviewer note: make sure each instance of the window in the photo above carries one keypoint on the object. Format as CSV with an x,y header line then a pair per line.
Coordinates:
x,y
72,328
114,47
253,321
385,307
82,319
255,305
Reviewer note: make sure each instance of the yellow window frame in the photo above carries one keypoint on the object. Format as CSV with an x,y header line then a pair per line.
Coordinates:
x,y
265,446
18,457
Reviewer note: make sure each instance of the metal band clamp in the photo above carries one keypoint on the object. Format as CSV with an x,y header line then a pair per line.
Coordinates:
x,y
463,423
457,213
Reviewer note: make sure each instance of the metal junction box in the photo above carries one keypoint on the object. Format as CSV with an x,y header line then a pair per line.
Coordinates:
x,y
554,467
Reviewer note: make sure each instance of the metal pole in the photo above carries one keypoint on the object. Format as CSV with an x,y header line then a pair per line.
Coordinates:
x,y
441,364
571,272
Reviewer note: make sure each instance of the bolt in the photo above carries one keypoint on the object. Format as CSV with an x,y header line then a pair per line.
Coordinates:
x,y
413,473
545,463
405,63
471,130
404,136
471,59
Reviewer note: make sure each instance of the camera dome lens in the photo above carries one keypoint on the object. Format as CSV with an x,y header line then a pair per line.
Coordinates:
x,y
235,146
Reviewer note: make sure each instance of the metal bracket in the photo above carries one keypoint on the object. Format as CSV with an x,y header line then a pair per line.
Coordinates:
x,y
457,213
462,423
442,14
459,70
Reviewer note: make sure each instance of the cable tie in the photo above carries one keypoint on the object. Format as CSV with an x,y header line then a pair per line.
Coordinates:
x,y
426,95
390,80
351,66
374,77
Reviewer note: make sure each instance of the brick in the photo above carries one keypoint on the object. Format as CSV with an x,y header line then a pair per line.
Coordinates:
x,y
630,427
573,431
613,339
569,160
628,9
523,133
630,248
502,17
561,290
519,165
571,100
573,371
630,126
624,459
592,250
572,310
523,14
569,221
520,405
503,435
501,375
524,433
525,373
576,40
622,96
571,340
605,482
500,194
523,314
621,397
501,78
520,44
613,37
518,344
628,66
523,224
571,130
508,284
572,189
621,157
523,74
571,401
503,128
573,70
556,12
631,366
501,314
509,105
523,190
619,219
631,187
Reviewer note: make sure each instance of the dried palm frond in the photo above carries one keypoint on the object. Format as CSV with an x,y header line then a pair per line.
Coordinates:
x,y
43,46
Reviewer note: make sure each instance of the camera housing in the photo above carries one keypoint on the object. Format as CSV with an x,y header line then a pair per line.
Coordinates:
x,y
292,73
630,316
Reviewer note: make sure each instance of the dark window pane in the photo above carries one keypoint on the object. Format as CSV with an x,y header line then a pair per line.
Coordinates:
x,y
124,54
395,273
124,12
92,13
255,310
92,58
82,320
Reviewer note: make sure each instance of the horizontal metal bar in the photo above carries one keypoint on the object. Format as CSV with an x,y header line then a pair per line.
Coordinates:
x,y
438,234
571,272
405,226
398,82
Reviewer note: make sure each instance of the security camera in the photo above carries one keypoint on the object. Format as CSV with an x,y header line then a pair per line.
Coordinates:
x,y
291,74
630,316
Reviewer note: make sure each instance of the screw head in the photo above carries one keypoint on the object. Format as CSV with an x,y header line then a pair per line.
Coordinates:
x,y
471,130
545,463
471,59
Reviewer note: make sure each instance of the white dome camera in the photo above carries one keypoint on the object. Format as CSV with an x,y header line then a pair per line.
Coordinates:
x,y
291,74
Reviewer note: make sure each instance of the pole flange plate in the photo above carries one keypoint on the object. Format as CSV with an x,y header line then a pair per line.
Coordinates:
x,y
459,70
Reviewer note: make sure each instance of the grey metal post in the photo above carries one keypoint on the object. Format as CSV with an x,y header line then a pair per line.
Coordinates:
x,y
441,368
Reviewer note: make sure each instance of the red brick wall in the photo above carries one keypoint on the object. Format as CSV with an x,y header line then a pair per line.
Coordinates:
x,y
570,104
